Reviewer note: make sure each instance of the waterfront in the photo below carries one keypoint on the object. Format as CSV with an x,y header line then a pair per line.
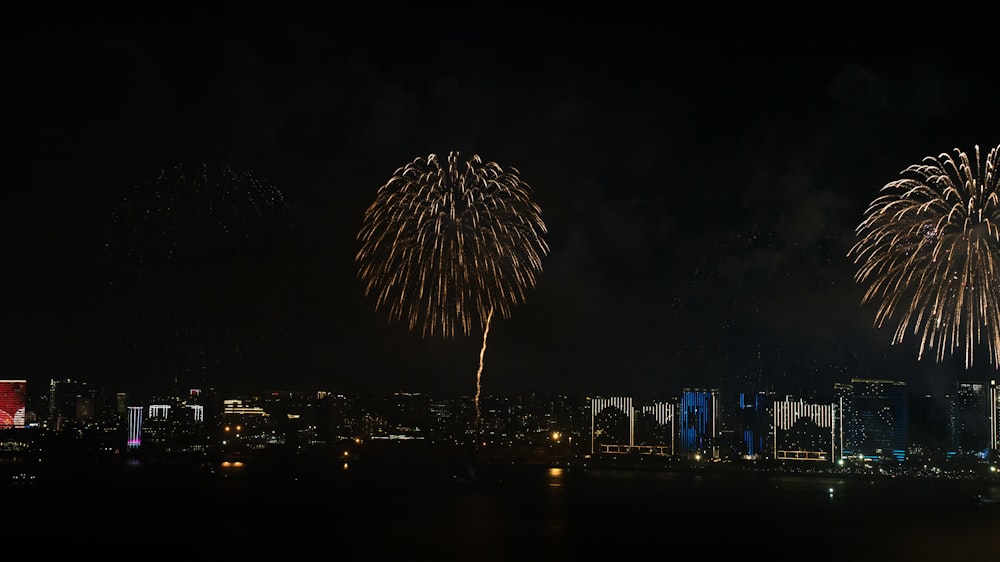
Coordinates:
x,y
447,511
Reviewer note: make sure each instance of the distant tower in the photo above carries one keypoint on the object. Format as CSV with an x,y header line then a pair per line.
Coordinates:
x,y
121,403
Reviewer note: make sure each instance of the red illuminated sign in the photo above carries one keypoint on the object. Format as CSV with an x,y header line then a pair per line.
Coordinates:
x,y
12,403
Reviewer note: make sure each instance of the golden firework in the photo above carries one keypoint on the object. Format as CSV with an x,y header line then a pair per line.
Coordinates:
x,y
927,253
447,245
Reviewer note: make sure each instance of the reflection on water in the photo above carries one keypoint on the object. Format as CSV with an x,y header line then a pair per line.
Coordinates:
x,y
471,512
555,476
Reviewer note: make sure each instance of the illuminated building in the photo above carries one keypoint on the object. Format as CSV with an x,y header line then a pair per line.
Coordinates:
x,y
237,406
134,427
876,419
994,416
745,418
157,428
159,411
654,428
12,400
616,426
970,419
843,397
611,424
751,421
805,431
699,417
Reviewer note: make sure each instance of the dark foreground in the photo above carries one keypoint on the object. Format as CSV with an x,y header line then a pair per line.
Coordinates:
x,y
336,510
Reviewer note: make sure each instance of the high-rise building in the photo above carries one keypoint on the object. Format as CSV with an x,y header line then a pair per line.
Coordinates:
x,y
970,419
134,427
994,418
158,425
877,426
928,427
752,422
12,403
699,421
843,397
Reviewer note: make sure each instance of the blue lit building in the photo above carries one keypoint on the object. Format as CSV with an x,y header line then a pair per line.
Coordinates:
x,y
698,423
753,423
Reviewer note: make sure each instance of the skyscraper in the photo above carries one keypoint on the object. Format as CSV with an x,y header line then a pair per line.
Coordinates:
x,y
928,427
698,413
753,423
878,428
970,419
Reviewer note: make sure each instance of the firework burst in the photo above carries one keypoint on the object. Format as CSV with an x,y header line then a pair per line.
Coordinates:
x,y
189,261
448,245
927,253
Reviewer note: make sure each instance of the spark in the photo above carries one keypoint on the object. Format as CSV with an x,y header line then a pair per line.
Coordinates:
x,y
927,253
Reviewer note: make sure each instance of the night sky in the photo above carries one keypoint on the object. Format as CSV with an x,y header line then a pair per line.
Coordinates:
x,y
701,180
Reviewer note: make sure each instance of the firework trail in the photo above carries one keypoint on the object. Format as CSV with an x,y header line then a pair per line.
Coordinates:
x,y
448,244
927,251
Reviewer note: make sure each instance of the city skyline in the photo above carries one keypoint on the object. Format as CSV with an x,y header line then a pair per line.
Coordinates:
x,y
700,192
868,420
